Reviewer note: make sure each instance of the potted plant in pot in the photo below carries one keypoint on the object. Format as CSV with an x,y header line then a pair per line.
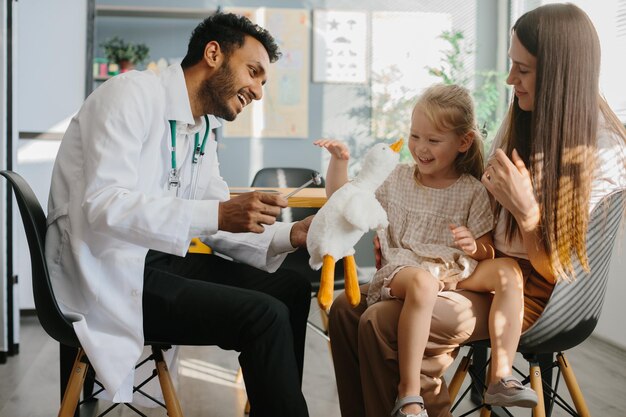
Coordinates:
x,y
125,54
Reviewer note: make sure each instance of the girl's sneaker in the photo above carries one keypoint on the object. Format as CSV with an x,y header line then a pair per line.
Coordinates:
x,y
509,392
401,402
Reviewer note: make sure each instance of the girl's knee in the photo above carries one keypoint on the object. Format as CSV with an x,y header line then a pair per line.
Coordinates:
x,y
509,274
422,284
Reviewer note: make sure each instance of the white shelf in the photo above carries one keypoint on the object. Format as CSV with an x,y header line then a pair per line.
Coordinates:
x,y
159,12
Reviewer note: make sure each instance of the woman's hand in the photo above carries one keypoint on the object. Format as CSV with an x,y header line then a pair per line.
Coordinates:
x,y
510,184
337,148
377,253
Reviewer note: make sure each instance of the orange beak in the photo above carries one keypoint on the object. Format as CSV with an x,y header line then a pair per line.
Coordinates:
x,y
397,145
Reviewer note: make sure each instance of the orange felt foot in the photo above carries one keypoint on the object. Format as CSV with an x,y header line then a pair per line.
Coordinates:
x,y
352,281
327,283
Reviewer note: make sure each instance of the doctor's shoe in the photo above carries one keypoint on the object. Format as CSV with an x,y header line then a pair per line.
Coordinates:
x,y
509,392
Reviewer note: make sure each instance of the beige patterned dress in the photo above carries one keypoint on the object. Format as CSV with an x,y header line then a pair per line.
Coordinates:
x,y
418,233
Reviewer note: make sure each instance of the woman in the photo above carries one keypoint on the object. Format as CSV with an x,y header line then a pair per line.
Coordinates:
x,y
558,152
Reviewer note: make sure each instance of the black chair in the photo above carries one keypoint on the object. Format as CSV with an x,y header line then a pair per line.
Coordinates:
x,y
569,318
299,260
58,326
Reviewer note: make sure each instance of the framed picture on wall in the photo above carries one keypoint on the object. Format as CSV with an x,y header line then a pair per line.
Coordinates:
x,y
339,46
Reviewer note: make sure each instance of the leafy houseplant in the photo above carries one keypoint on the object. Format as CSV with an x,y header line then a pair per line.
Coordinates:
x,y
123,53
485,93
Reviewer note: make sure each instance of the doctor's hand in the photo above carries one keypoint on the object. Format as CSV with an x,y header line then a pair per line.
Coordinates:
x,y
249,212
299,231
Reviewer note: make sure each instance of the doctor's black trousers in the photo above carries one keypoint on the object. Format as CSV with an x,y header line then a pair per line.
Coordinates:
x,y
204,299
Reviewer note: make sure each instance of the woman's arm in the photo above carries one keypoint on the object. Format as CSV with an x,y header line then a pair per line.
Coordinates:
x,y
510,184
337,174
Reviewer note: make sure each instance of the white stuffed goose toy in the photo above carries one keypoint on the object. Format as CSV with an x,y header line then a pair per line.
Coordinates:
x,y
349,213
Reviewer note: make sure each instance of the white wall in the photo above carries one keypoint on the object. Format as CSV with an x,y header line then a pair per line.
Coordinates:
x,y
52,38
3,117
50,87
611,325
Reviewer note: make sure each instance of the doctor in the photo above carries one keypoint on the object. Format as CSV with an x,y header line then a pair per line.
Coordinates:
x,y
137,177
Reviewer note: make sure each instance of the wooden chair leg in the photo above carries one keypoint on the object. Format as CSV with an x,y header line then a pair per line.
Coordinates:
x,y
459,375
167,387
536,383
238,379
485,412
74,385
572,385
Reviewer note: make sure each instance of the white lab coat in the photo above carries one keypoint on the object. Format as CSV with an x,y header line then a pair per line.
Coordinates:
x,y
109,204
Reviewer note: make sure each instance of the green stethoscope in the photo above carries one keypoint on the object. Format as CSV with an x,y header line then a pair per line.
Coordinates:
x,y
198,153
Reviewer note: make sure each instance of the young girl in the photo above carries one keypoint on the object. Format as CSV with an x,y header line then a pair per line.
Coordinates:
x,y
440,221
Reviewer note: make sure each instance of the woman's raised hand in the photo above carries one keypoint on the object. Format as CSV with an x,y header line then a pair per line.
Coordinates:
x,y
337,148
510,184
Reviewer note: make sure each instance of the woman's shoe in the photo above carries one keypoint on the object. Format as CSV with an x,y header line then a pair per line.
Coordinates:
x,y
509,392
411,399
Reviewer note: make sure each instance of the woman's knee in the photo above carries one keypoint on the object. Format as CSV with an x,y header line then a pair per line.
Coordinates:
x,y
380,322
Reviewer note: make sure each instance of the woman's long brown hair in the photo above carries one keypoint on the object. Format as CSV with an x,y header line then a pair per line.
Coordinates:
x,y
558,139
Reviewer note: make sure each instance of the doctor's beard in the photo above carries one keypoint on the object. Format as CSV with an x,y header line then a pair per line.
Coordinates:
x,y
215,93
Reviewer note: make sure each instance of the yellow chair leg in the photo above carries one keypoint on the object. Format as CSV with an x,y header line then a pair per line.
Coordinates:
x,y
459,376
239,379
536,384
572,385
351,287
485,412
74,385
327,283
167,387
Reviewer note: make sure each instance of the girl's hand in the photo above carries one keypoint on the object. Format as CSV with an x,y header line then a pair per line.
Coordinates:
x,y
464,239
337,149
510,184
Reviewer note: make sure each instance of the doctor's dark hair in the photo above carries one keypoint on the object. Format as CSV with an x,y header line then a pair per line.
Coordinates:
x,y
229,30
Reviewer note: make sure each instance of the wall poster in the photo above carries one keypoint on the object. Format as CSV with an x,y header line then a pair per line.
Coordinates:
x,y
340,46
283,112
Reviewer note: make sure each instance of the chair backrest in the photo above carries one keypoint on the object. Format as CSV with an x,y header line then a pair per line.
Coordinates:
x,y
52,319
287,177
574,308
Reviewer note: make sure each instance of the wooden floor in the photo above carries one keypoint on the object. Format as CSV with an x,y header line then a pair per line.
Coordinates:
x,y
208,383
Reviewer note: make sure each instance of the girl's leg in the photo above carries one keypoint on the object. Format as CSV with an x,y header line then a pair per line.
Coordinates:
x,y
418,288
502,276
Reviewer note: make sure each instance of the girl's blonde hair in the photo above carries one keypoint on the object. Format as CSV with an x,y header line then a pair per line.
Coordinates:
x,y
451,108
558,140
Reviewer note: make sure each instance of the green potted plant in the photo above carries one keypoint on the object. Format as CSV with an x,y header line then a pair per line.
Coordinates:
x,y
124,54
